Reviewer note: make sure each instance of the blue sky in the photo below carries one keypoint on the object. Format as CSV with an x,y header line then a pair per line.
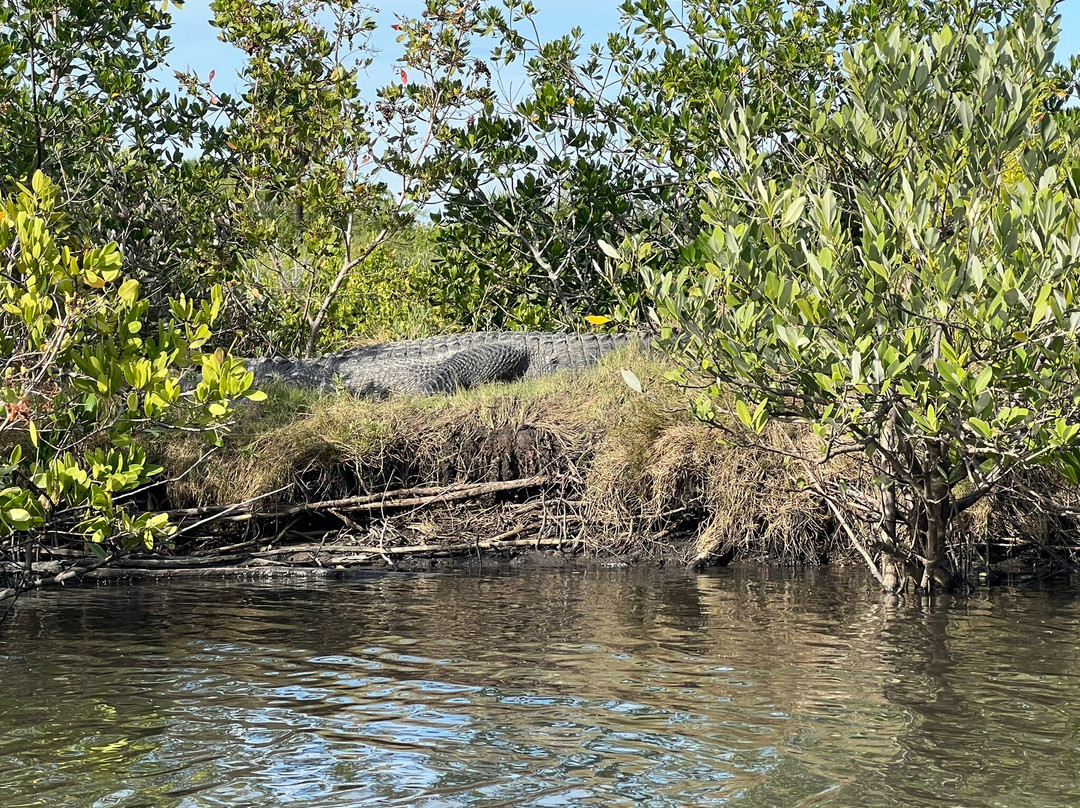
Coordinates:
x,y
197,48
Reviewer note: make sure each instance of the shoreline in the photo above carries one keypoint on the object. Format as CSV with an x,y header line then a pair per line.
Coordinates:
x,y
576,461
574,465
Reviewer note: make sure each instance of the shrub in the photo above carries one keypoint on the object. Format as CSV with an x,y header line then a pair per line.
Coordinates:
x,y
85,372
894,289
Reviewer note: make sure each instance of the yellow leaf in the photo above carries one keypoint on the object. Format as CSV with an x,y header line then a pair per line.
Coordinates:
x,y
20,518
33,434
597,319
128,291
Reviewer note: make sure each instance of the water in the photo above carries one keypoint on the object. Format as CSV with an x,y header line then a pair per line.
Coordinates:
x,y
546,688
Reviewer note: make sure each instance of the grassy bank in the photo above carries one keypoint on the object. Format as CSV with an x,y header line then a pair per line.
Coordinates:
x,y
618,472
576,461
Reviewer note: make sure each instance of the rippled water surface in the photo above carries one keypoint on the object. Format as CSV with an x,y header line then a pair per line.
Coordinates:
x,y
544,688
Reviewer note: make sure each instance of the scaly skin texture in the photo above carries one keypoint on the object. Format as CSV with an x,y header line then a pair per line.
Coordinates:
x,y
442,364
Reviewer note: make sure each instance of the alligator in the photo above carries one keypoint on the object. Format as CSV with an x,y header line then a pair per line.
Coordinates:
x,y
442,364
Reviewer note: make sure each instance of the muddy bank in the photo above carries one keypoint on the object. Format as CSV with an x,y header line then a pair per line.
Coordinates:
x,y
568,466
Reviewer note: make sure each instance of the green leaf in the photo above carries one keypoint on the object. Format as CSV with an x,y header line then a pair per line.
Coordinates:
x,y
128,291
793,212
761,417
743,413
608,250
1042,305
20,518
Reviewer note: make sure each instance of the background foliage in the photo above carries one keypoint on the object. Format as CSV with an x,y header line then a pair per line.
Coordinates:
x,y
907,284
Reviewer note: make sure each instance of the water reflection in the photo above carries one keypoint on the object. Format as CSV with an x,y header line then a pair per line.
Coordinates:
x,y
740,688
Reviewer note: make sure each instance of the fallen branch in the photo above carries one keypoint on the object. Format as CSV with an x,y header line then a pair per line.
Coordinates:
x,y
229,509
401,498
838,513
71,573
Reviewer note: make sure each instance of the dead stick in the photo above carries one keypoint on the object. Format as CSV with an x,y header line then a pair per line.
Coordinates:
x,y
367,504
207,510
837,512
352,502
239,505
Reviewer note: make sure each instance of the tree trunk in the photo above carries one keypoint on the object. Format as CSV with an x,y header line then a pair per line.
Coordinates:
x,y
937,509
348,264
892,571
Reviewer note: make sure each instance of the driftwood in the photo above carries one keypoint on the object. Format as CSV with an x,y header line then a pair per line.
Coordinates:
x,y
454,524
399,498
387,535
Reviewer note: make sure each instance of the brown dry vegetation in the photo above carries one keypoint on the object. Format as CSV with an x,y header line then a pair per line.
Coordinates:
x,y
570,461
622,472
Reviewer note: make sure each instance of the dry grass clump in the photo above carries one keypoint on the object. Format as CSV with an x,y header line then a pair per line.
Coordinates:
x,y
1034,517
663,477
